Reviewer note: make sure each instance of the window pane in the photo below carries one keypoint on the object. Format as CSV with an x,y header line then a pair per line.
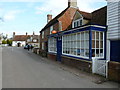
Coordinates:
x,y
101,44
93,43
97,44
101,35
87,52
93,35
97,35
93,52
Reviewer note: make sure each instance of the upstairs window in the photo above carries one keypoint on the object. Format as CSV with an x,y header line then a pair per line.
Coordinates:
x,y
51,29
42,34
77,23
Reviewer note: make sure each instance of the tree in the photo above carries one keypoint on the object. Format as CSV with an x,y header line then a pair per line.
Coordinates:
x,y
9,42
4,42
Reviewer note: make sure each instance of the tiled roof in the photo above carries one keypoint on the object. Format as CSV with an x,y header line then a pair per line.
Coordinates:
x,y
67,15
20,37
99,16
85,15
54,20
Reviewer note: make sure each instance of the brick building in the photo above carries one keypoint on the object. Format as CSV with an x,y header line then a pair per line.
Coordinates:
x,y
80,37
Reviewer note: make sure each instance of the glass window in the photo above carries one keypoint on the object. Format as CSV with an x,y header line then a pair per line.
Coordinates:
x,y
51,29
76,44
97,44
42,34
42,45
52,47
77,23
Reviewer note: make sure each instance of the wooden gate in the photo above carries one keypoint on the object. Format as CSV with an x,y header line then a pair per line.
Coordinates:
x,y
99,67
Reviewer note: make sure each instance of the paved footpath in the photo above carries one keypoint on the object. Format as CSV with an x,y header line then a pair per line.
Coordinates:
x,y
23,69
0,67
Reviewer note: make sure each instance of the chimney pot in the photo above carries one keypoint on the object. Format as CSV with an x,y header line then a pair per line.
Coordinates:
x,y
72,3
13,34
49,17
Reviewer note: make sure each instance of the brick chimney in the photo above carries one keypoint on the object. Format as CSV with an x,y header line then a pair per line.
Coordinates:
x,y
72,3
26,33
49,17
13,34
33,33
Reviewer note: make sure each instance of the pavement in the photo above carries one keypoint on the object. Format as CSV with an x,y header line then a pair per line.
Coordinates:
x,y
0,67
24,69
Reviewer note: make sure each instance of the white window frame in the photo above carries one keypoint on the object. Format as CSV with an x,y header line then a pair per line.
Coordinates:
x,y
51,29
99,45
43,33
43,46
75,21
73,38
52,45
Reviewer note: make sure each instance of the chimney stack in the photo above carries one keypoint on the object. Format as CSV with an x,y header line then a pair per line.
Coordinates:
x,y
13,34
26,33
33,33
49,17
72,3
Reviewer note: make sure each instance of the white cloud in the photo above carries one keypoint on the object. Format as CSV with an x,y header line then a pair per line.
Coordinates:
x,y
57,6
11,15
1,9
21,0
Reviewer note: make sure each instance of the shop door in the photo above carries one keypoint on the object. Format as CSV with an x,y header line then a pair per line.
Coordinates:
x,y
59,48
115,51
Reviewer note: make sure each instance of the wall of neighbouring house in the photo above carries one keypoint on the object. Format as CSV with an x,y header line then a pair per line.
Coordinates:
x,y
113,40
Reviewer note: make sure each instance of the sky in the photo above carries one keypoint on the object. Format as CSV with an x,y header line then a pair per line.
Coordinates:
x,y
23,16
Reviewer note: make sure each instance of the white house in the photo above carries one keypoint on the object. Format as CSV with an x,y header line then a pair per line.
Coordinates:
x,y
19,40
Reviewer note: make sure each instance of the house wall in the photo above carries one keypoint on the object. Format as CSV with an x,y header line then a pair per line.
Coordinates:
x,y
79,64
85,21
113,36
113,17
45,39
14,43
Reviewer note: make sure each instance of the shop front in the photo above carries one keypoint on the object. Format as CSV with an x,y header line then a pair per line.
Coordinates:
x,y
78,47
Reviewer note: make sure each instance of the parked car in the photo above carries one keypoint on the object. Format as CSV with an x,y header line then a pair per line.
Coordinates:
x,y
26,47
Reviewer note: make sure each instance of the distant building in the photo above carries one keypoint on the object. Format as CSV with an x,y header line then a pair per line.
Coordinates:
x,y
1,38
33,40
19,40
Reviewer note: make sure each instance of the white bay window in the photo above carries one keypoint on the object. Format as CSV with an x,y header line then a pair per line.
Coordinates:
x,y
97,44
76,44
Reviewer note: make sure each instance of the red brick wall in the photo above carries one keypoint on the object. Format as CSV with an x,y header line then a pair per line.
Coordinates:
x,y
52,56
114,71
82,65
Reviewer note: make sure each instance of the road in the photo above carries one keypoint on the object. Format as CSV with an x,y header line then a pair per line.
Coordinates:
x,y
24,69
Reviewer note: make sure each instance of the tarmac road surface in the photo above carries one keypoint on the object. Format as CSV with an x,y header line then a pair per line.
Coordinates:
x,y
24,69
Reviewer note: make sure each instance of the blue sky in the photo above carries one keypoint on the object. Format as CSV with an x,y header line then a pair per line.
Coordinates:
x,y
29,15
